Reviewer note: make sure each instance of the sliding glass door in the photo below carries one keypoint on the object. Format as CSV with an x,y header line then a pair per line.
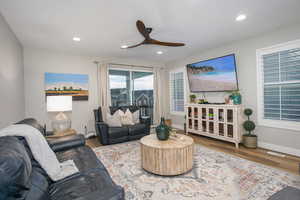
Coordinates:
x,y
120,87
132,88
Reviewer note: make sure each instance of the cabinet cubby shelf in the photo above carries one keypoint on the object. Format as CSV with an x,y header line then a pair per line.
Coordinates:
x,y
222,122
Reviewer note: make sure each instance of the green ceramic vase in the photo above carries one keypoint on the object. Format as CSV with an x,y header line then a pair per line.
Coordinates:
x,y
162,130
237,99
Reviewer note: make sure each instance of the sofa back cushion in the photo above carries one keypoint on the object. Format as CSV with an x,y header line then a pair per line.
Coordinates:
x,y
39,180
15,168
132,109
34,123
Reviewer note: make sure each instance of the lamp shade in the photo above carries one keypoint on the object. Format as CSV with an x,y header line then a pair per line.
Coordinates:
x,y
59,103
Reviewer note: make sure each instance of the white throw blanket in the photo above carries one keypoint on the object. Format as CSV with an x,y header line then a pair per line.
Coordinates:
x,y
41,151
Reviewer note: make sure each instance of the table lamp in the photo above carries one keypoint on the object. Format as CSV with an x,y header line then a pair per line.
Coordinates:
x,y
60,104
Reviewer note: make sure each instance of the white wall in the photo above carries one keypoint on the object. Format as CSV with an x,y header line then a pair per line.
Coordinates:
x,y
246,67
12,107
39,61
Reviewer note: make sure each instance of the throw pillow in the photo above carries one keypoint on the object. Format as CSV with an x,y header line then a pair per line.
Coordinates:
x,y
126,118
113,120
136,117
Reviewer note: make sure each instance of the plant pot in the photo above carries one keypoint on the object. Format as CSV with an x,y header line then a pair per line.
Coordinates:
x,y
193,100
162,130
250,141
237,99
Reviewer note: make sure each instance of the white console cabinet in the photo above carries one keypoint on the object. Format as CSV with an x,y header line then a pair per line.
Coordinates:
x,y
222,122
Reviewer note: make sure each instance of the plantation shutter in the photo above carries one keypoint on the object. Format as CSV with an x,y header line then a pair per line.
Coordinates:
x,y
281,85
177,91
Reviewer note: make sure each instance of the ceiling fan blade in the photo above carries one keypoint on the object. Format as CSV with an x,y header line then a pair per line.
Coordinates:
x,y
142,29
136,45
170,44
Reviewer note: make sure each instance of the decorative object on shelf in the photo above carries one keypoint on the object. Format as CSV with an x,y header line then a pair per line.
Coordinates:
x,y
162,130
202,101
75,85
227,100
60,104
236,97
193,98
249,139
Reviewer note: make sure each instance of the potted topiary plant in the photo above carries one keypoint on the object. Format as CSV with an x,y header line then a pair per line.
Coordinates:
x,y
236,97
193,98
249,139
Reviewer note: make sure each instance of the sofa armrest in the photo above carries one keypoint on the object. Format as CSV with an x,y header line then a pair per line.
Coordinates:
x,y
66,143
102,132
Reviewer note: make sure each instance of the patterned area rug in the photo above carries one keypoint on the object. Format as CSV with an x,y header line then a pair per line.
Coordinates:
x,y
215,175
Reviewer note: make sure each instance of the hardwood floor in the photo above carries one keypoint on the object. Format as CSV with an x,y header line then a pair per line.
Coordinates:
x,y
288,163
93,142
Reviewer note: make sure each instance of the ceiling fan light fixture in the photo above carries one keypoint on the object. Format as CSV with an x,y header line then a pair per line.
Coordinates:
x,y
241,17
159,52
76,39
145,32
124,47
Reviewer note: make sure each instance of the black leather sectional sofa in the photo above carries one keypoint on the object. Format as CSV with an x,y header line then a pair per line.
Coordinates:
x,y
112,135
21,177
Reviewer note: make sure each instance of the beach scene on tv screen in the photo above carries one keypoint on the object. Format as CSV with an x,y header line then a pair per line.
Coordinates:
x,y
217,74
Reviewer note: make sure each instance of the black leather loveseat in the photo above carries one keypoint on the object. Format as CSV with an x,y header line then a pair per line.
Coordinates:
x,y
111,135
21,177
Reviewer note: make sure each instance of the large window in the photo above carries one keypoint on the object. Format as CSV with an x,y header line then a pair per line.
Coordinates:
x,y
132,88
177,92
279,86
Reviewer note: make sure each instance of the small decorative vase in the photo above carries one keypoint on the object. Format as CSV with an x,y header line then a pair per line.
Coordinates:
x,y
162,130
193,100
237,99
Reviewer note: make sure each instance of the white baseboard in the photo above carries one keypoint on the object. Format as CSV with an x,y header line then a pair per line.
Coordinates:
x,y
278,148
178,126
272,147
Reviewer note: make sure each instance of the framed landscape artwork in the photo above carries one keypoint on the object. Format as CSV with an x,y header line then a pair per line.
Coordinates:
x,y
75,85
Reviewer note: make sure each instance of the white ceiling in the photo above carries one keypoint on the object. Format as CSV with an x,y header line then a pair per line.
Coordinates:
x,y
105,25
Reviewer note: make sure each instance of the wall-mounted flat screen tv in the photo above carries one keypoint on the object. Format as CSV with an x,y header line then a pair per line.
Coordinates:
x,y
213,75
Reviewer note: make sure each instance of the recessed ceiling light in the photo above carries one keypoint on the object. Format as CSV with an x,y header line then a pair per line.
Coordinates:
x,y
159,52
240,17
76,39
124,47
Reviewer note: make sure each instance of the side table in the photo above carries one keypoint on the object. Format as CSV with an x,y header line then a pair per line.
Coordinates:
x,y
61,134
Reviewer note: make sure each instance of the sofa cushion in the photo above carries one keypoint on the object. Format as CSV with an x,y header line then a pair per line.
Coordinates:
x,y
15,168
113,109
126,117
94,184
114,120
83,157
39,180
137,129
288,193
34,123
117,132
39,185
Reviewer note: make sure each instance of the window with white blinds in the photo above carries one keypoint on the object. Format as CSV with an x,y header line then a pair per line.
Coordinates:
x,y
177,92
279,89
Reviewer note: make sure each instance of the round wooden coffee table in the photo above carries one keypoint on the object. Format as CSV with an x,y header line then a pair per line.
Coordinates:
x,y
171,157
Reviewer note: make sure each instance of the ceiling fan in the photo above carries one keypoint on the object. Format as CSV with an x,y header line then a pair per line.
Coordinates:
x,y
148,40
